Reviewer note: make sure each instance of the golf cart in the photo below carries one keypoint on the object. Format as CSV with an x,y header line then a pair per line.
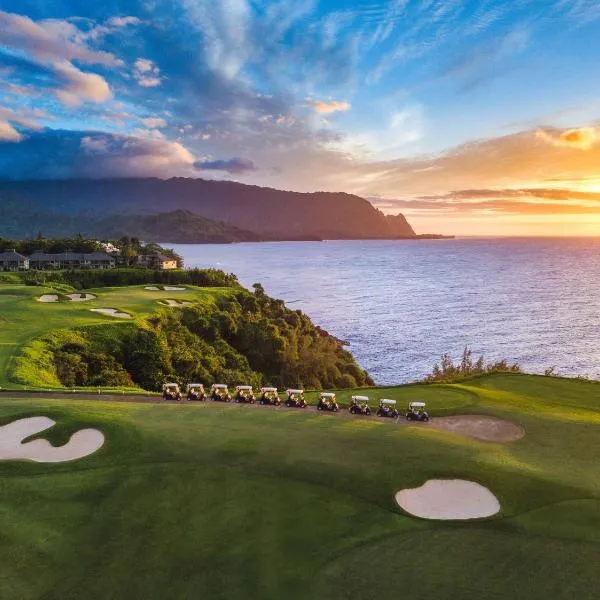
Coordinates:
x,y
171,391
327,401
244,394
295,398
416,412
220,393
387,408
360,405
270,396
195,391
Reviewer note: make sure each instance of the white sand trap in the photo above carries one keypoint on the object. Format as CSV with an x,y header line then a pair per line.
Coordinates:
x,y
48,298
449,499
176,303
152,288
82,443
80,297
112,312
170,288
480,427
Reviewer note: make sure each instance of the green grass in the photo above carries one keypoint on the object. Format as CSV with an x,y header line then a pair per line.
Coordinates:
x,y
224,502
23,319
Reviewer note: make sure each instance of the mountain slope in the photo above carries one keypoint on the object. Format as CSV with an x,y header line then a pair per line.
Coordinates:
x,y
272,214
179,226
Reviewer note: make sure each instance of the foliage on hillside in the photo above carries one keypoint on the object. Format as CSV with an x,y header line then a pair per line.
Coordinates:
x,y
241,339
447,371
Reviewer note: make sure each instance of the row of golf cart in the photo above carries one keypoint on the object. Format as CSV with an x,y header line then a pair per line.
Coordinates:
x,y
244,394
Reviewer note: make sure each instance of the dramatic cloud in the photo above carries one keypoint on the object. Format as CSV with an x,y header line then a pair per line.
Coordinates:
x,y
330,106
582,139
404,100
235,166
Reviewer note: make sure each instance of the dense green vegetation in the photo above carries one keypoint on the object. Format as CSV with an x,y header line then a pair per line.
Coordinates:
x,y
94,278
217,502
224,334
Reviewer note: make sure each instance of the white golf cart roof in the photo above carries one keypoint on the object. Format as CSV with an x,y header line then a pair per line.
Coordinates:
x,y
245,388
220,386
268,389
417,404
195,385
386,401
361,398
294,391
168,385
327,395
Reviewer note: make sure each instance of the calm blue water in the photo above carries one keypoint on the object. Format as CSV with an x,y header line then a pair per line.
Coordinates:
x,y
401,304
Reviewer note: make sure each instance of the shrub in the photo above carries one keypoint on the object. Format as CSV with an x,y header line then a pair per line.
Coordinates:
x,y
446,370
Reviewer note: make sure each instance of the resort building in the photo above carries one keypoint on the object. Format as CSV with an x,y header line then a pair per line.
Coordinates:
x,y
11,260
71,260
157,261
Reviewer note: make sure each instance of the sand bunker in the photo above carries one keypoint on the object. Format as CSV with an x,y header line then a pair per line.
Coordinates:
x,y
449,499
169,288
152,288
80,297
176,303
480,427
48,298
112,312
82,443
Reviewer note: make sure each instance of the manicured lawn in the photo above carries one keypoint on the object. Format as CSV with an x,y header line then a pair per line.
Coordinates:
x,y
224,502
23,318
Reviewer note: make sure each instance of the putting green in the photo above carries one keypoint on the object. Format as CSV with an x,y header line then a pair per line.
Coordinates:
x,y
221,501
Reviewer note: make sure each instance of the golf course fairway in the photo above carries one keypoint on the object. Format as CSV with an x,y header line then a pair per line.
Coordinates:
x,y
222,501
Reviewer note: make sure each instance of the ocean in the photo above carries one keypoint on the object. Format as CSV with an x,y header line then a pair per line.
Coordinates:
x,y
401,304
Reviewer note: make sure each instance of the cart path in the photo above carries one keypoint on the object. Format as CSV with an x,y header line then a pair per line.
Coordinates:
x,y
478,427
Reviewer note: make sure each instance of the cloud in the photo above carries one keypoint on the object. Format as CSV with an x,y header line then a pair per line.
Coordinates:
x,y
154,122
123,21
23,116
51,46
234,166
525,201
50,41
146,73
79,86
8,133
581,139
52,154
329,106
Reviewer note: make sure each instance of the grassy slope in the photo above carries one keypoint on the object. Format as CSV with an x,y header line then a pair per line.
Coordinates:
x,y
218,501
23,318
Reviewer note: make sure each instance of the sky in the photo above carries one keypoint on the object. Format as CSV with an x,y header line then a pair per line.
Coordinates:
x,y
471,118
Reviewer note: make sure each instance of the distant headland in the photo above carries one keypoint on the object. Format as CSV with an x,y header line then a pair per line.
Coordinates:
x,y
196,211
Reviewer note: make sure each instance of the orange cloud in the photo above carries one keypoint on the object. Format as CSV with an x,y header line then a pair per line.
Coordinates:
x,y
326,107
582,139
